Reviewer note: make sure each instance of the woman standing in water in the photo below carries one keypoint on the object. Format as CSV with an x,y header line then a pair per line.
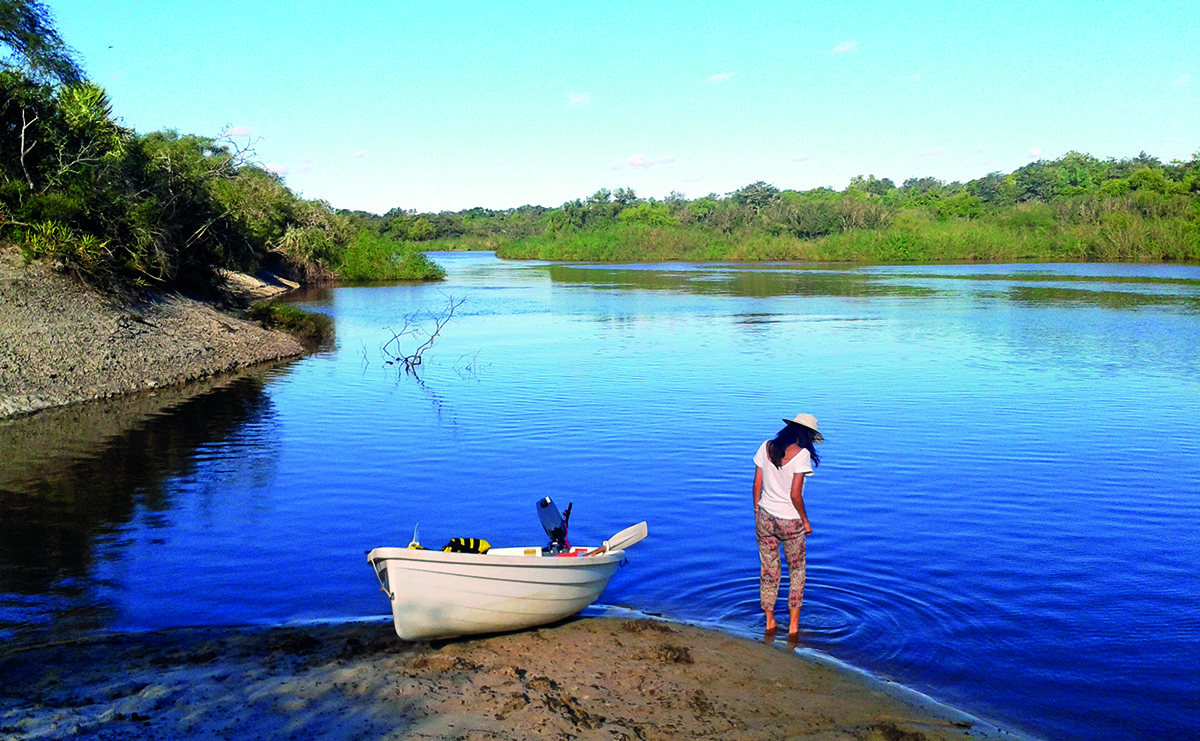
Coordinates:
x,y
781,465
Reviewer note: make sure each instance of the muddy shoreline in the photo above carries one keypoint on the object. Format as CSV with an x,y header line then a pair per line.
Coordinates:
x,y
63,343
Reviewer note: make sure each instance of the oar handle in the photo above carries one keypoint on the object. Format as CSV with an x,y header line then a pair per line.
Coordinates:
x,y
621,540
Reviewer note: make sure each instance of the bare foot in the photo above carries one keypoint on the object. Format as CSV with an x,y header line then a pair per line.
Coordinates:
x,y
793,621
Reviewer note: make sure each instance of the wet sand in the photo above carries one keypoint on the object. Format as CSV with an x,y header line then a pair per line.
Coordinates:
x,y
586,678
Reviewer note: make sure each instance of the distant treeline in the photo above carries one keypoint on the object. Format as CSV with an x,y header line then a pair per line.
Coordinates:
x,y
125,209
1075,208
170,210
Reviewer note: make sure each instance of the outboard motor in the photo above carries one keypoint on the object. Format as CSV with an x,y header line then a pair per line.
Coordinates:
x,y
555,525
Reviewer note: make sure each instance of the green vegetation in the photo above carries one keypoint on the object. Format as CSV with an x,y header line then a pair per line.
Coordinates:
x,y
371,257
159,210
312,328
27,30
1075,208
172,210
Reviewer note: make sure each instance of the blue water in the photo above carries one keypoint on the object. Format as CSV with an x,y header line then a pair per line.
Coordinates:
x,y
1005,516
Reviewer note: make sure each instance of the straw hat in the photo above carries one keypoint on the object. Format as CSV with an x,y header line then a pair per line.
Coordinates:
x,y
809,421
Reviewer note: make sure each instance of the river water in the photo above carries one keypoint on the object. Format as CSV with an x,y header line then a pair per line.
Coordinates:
x,y
1006,513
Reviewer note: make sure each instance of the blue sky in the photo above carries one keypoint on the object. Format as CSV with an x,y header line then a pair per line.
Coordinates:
x,y
452,104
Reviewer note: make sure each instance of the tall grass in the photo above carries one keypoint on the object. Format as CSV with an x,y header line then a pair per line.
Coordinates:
x,y
1025,233
370,257
619,243
467,242
310,327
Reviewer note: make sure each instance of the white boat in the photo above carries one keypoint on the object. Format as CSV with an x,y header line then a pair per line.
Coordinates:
x,y
439,594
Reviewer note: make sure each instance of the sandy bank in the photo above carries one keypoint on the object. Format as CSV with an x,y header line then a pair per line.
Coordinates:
x,y
590,678
62,342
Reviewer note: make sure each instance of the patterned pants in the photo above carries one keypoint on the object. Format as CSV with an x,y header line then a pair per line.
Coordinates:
x,y
771,532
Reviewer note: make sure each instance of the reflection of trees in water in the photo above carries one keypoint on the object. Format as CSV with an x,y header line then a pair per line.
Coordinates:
x,y
762,282
769,282
52,527
310,295
1100,299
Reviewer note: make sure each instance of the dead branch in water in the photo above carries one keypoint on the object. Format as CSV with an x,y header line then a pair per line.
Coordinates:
x,y
414,327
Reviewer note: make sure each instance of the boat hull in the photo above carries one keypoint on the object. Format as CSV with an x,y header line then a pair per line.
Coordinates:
x,y
435,594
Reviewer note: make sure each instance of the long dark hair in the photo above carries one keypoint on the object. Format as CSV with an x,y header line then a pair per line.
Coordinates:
x,y
792,434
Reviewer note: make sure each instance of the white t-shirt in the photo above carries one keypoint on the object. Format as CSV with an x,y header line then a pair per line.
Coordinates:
x,y
776,497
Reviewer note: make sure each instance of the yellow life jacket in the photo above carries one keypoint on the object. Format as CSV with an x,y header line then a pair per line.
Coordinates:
x,y
467,545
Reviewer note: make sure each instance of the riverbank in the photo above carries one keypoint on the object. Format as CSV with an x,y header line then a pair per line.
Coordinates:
x,y
62,342
914,237
589,678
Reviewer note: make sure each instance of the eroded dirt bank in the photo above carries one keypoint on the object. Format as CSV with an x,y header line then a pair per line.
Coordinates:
x,y
63,343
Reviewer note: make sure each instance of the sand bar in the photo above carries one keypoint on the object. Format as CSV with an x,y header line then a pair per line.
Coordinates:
x,y
585,678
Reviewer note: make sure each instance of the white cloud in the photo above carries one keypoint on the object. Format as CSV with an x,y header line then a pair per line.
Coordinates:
x,y
721,77
1180,82
845,47
298,168
236,131
360,154
578,99
933,153
1035,153
801,158
642,162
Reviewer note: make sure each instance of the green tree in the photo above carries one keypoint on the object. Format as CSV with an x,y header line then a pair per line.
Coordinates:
x,y
1039,181
27,112
575,214
1152,179
755,196
1126,167
915,188
960,206
870,185
807,217
27,30
625,196
602,207
995,188
421,230
58,148
1080,170
701,209
654,214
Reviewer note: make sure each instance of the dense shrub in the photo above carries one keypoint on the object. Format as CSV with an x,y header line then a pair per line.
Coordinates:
x,y
312,328
160,209
370,257
1074,208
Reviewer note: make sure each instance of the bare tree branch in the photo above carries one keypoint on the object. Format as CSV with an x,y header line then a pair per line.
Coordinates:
x,y
25,124
415,326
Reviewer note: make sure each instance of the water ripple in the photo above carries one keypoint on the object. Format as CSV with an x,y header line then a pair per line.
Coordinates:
x,y
1004,517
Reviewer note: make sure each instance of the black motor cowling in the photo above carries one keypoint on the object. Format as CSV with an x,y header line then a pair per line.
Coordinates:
x,y
555,525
